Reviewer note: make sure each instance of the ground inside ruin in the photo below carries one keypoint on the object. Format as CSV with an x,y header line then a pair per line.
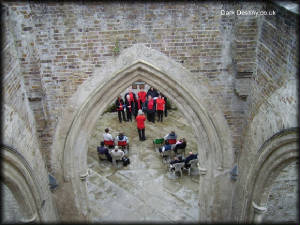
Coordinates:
x,y
144,190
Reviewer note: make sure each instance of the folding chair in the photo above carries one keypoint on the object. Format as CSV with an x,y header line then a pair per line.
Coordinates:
x,y
158,143
178,168
166,156
172,141
123,145
109,144
194,164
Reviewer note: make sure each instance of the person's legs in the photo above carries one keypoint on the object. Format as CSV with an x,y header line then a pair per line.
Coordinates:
x,y
140,134
123,114
119,115
143,134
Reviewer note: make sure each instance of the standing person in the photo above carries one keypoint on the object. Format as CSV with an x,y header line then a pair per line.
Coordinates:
x,y
150,108
131,95
120,108
133,101
152,92
129,107
140,120
141,98
160,105
166,109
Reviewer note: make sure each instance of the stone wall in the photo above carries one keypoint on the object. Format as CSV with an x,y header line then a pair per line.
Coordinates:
x,y
50,49
18,123
283,199
60,44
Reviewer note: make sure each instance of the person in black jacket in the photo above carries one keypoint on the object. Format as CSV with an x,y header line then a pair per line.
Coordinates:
x,y
189,158
152,92
166,109
130,107
120,108
150,109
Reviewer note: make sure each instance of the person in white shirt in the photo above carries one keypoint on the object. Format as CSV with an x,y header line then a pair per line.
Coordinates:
x,y
107,136
116,154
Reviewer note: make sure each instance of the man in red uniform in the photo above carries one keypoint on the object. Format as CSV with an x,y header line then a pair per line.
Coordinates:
x,y
140,120
141,98
160,106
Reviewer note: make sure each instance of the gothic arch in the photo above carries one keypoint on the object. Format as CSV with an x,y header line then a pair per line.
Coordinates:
x,y
192,97
19,178
274,155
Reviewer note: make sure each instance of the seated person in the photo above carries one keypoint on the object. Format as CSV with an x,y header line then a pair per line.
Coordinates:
x,y
171,136
121,137
178,159
103,150
181,144
164,148
116,153
189,158
108,138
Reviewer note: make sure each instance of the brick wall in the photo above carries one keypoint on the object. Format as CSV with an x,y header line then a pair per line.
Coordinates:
x,y
60,44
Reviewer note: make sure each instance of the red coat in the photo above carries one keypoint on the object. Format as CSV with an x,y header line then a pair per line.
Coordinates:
x,y
160,104
142,96
140,119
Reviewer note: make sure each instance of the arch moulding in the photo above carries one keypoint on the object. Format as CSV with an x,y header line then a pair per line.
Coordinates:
x,y
19,178
274,155
69,150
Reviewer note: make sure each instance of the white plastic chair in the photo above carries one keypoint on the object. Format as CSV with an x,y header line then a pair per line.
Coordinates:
x,y
178,168
166,156
194,164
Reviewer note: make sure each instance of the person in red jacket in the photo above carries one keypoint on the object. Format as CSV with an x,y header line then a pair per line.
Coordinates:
x,y
160,106
140,120
141,98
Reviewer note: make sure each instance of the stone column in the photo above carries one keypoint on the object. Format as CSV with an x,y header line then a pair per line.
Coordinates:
x,y
203,198
259,212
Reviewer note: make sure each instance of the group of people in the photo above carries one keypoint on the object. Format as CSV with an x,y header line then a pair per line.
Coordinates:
x,y
109,147
171,143
149,102
180,159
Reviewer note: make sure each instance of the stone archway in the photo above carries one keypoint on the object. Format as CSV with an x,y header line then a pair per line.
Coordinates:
x,y
275,154
18,177
192,97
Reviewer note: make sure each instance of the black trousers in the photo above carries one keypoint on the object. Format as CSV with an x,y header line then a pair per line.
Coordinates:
x,y
141,134
151,116
123,115
129,115
160,115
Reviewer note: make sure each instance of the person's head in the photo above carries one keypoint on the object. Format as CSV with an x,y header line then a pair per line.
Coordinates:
x,y
149,97
128,97
141,88
180,158
140,112
159,96
116,148
190,153
119,97
121,135
106,130
175,158
152,89
102,143
129,89
172,133
183,140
